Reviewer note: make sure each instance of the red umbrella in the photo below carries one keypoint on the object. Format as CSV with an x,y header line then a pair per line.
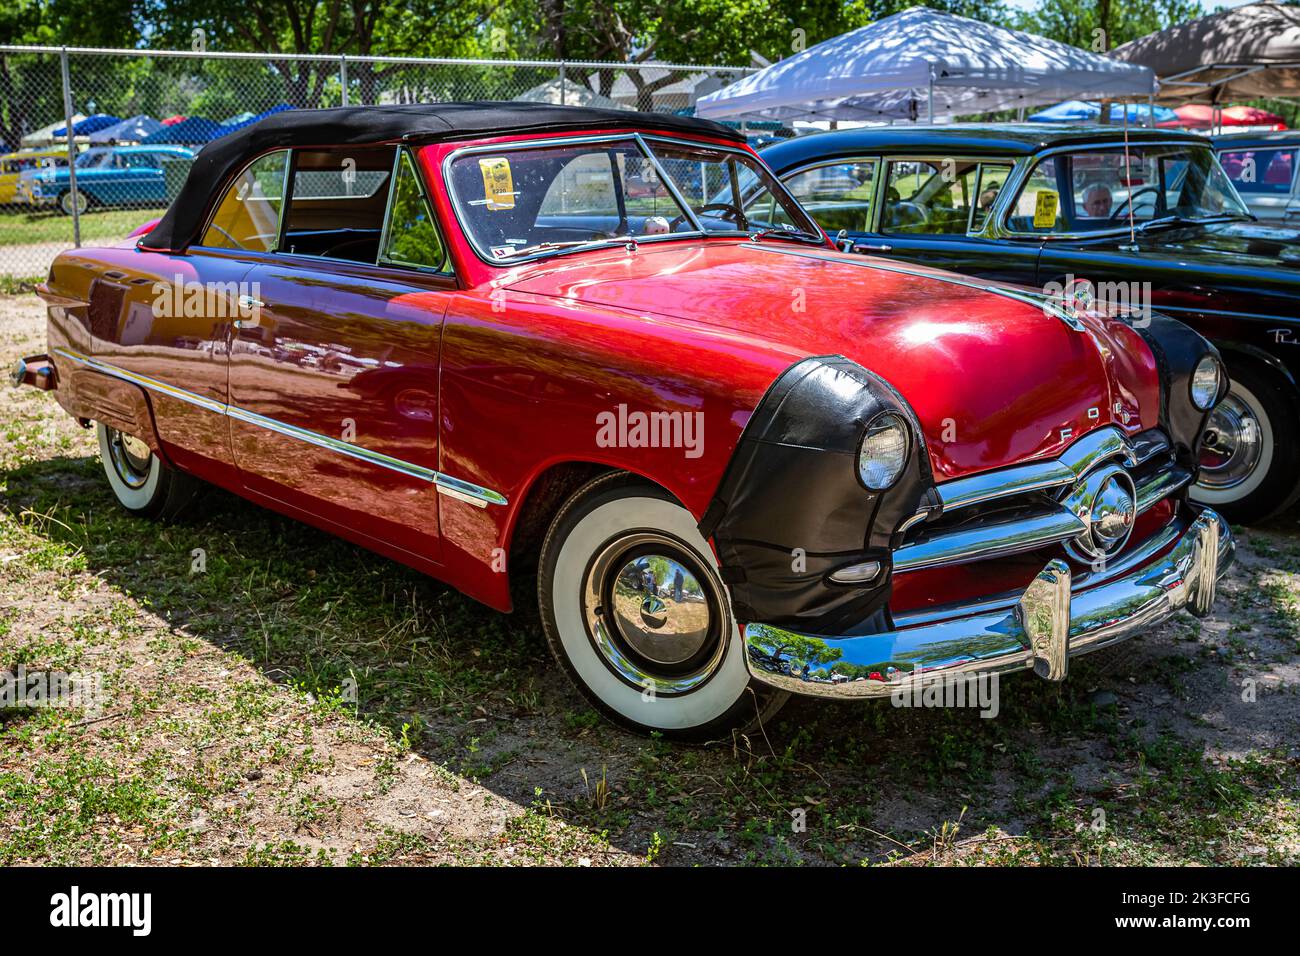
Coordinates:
x,y
1201,116
172,120
1251,116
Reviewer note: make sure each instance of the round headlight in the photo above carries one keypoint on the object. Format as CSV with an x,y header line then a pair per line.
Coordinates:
x,y
883,451
1205,383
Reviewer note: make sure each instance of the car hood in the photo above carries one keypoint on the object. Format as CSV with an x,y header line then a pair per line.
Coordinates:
x,y
994,379
1249,245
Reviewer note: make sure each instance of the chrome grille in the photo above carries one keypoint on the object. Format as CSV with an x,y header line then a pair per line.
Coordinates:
x,y
1020,509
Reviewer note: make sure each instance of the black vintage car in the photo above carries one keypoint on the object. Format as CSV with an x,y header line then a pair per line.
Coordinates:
x,y
1066,210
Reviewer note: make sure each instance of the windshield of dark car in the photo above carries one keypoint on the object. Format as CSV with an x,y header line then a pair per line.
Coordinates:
x,y
1099,189
524,199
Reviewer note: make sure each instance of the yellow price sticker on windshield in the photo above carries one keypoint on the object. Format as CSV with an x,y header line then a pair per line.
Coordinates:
x,y
1045,206
498,184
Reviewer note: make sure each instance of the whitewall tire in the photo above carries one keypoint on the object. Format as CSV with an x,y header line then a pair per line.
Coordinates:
x,y
142,482
1250,463
638,618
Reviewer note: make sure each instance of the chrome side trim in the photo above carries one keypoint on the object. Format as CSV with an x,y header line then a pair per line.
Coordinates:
x,y
445,484
988,539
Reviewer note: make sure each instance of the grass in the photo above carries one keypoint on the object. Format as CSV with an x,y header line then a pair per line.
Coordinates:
x,y
46,224
303,702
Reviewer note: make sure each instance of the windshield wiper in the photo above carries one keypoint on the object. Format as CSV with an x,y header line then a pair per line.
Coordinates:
x,y
798,235
568,244
1188,221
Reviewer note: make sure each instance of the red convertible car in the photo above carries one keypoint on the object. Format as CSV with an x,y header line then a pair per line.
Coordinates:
x,y
491,340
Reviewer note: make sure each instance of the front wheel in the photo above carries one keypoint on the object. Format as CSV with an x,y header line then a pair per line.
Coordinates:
x,y
1250,453
142,482
637,617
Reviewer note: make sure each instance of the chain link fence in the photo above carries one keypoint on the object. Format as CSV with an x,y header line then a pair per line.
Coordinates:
x,y
139,116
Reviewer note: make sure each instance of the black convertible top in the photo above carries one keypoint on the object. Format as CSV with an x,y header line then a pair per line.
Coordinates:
x,y
356,125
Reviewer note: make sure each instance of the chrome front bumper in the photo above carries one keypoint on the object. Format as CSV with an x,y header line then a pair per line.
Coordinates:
x,y
1055,618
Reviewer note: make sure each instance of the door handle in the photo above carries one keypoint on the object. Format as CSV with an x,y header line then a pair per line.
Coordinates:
x,y
872,247
247,304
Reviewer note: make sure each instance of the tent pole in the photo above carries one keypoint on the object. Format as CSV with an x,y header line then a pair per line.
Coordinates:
x,y
930,99
72,146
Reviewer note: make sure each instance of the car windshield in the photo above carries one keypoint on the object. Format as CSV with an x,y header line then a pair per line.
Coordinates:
x,y
528,200
1100,189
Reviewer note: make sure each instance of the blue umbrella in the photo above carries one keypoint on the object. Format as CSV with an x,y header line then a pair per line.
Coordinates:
x,y
91,124
195,129
279,108
1078,111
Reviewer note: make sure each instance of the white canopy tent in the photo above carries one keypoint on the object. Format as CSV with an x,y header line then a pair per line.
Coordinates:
x,y
924,64
45,135
568,93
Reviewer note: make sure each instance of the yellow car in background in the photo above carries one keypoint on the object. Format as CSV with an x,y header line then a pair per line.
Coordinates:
x,y
12,166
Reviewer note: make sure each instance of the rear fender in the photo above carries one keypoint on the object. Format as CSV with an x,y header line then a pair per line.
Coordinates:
x,y
124,406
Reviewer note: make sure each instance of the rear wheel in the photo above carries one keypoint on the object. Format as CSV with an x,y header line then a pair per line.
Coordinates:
x,y
637,617
141,481
1250,454
67,205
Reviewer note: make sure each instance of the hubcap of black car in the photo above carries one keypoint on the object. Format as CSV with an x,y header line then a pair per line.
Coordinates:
x,y
130,457
654,614
1232,444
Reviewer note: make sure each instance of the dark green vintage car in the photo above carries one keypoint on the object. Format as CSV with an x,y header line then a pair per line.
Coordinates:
x,y
1066,210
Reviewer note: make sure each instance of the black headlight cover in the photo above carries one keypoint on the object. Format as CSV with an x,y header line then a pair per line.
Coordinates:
x,y
790,508
1178,349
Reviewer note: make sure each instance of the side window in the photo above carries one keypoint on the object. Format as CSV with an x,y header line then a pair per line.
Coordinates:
x,y
336,202
929,197
249,214
412,236
1260,172
838,196
992,178
1038,207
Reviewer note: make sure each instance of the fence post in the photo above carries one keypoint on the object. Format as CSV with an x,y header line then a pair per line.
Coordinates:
x,y
562,90
343,77
72,147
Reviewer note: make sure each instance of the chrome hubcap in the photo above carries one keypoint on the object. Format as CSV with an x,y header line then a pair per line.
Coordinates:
x,y
654,615
130,457
1232,444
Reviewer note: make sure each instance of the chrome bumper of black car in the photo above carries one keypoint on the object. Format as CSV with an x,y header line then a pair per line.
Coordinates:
x,y
1056,617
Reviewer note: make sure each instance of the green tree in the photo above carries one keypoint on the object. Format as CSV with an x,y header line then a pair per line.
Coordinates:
x,y
1102,25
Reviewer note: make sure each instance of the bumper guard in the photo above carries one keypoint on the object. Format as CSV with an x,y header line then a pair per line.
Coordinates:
x,y
34,370
1054,619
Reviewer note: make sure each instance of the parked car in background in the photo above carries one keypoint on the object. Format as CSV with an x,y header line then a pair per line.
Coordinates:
x,y
106,176
13,165
738,461
1053,208
1264,168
